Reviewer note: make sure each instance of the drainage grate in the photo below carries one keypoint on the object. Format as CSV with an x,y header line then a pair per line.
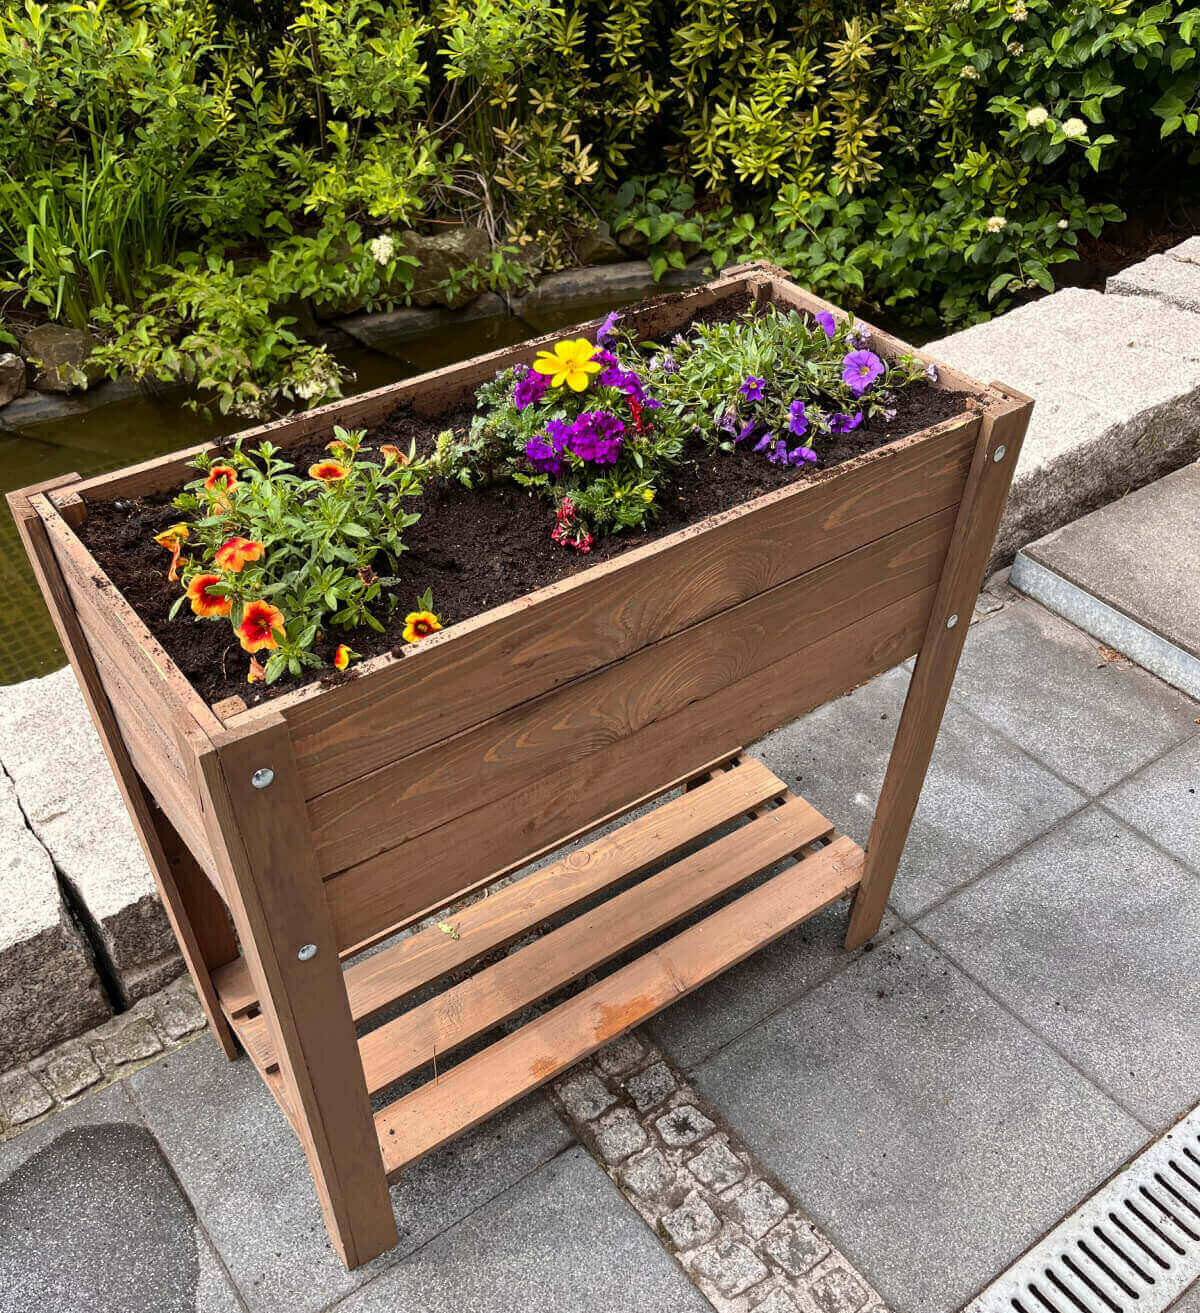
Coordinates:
x,y
1134,1245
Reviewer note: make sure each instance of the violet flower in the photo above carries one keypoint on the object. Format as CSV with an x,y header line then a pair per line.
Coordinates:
x,y
860,369
827,322
839,422
746,431
767,440
606,334
545,454
752,388
596,436
797,420
779,453
801,456
931,372
529,388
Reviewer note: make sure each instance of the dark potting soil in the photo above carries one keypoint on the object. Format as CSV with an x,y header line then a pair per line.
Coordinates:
x,y
474,549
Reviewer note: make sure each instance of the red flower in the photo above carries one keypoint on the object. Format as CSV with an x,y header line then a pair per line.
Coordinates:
x,y
234,553
392,455
173,539
328,471
256,674
204,603
342,657
259,619
221,476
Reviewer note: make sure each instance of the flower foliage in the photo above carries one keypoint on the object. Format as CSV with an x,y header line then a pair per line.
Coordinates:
x,y
281,556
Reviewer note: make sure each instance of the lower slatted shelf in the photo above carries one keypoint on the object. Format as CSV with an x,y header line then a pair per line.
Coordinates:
x,y
775,827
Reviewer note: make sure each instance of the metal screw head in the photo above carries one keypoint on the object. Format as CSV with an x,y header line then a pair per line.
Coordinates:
x,y
262,777
951,621
307,952
999,454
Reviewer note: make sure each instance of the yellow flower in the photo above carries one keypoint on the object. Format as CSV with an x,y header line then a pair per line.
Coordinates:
x,y
570,363
648,495
419,625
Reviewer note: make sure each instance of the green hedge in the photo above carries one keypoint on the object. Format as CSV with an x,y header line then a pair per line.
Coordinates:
x,y
173,171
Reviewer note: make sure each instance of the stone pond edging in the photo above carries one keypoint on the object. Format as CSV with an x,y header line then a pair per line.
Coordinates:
x,y
1116,377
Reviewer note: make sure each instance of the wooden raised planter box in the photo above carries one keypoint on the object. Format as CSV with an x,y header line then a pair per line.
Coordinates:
x,y
320,822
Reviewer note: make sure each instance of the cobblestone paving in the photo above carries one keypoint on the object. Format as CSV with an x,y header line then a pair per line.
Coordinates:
x,y
62,1076
731,1226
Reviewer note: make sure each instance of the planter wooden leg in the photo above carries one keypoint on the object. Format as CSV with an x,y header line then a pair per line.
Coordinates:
x,y
144,816
975,528
262,841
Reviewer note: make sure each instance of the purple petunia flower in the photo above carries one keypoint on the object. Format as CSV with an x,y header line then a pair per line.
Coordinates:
x,y
624,380
860,369
546,453
752,388
797,421
779,453
931,372
827,322
747,431
801,456
767,440
858,336
529,388
606,334
728,422
596,436
840,422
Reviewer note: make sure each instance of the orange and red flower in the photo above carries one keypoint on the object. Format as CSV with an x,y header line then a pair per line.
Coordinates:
x,y
234,553
221,477
259,621
338,447
392,455
420,624
205,603
173,539
343,656
328,471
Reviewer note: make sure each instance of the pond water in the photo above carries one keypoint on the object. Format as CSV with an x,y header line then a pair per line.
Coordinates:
x,y
144,426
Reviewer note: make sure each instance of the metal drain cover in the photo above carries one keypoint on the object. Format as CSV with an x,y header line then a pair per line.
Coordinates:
x,y
1134,1245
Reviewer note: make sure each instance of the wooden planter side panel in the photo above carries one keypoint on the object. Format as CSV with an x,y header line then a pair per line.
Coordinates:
x,y
504,658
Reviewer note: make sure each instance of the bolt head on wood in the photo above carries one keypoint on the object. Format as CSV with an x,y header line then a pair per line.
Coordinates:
x,y
951,621
999,454
262,777
307,952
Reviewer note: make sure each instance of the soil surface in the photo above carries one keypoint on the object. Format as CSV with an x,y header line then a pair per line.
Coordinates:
x,y
475,549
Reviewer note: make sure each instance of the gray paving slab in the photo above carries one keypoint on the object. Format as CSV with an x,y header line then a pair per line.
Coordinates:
x,y
1174,282
1090,935
92,1218
243,1169
1116,388
1163,801
1189,1302
562,1238
1140,554
983,797
1045,685
923,1127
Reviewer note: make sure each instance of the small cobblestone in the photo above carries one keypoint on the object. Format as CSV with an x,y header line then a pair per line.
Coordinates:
x,y
68,1071
179,1013
585,1096
621,1056
23,1097
618,1135
134,1042
649,1176
795,1246
717,1166
778,1301
758,1209
729,1265
683,1126
650,1087
839,1291
692,1223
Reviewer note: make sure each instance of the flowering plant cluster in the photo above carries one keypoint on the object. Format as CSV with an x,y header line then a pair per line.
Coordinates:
x,y
282,555
580,424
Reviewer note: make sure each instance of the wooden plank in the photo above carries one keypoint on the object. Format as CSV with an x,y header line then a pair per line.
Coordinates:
x,y
394,974
490,997
425,789
1004,425
32,530
384,890
429,393
276,897
494,661
461,1098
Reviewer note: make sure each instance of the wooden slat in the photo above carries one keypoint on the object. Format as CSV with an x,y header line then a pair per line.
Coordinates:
x,y
426,789
489,663
929,689
384,890
392,975
488,998
465,1095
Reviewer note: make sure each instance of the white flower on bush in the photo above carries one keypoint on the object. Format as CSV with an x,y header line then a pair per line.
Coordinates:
x,y
1035,116
1015,48
1074,128
968,71
1062,223
996,222
382,248
1019,12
